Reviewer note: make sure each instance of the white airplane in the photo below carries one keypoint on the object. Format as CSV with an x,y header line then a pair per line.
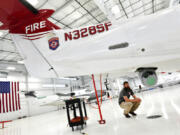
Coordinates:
x,y
52,100
145,44
59,98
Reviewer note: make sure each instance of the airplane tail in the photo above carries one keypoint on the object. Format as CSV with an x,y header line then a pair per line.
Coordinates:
x,y
29,36
32,33
32,27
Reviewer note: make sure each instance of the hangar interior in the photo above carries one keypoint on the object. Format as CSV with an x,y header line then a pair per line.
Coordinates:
x,y
41,108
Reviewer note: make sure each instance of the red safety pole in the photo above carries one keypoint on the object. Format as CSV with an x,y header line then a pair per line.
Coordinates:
x,y
3,125
3,122
100,121
101,87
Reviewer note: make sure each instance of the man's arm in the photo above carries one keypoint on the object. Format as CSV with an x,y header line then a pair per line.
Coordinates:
x,y
131,100
134,96
138,99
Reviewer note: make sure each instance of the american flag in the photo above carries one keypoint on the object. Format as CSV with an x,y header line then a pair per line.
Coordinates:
x,y
9,97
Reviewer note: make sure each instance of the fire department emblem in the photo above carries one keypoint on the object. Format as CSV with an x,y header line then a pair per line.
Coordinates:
x,y
53,43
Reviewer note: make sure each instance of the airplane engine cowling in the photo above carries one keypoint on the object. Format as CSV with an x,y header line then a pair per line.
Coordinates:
x,y
148,77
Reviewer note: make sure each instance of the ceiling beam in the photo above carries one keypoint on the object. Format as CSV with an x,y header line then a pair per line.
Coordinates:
x,y
63,6
74,21
73,11
8,51
92,19
60,22
87,11
123,8
153,7
104,7
4,37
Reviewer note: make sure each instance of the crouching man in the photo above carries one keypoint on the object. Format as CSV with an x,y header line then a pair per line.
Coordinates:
x,y
129,105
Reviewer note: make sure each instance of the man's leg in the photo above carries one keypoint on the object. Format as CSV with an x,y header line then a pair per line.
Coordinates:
x,y
127,106
135,106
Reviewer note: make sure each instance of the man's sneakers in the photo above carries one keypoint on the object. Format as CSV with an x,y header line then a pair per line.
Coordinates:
x,y
133,113
127,115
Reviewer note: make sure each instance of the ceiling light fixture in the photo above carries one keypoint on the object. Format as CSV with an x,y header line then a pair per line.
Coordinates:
x,y
10,68
67,78
20,62
115,9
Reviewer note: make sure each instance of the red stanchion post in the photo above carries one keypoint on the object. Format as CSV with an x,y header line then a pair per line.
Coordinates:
x,y
3,125
3,122
101,121
101,87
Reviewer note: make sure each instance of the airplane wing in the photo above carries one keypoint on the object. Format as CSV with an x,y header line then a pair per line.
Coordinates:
x,y
54,103
72,94
52,100
65,95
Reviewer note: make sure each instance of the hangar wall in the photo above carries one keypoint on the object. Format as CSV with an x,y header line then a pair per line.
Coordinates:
x,y
43,88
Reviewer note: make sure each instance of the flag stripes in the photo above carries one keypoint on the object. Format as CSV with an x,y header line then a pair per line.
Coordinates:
x,y
18,96
9,100
7,103
0,103
12,94
3,103
15,95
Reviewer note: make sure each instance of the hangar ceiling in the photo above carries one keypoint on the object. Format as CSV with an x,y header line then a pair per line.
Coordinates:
x,y
75,13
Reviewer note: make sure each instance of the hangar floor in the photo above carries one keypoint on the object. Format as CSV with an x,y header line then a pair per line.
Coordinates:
x,y
165,102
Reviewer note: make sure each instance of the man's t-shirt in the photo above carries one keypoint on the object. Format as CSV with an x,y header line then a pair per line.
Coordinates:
x,y
125,92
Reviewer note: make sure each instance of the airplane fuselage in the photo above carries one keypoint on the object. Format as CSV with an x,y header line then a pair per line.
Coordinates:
x,y
139,42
